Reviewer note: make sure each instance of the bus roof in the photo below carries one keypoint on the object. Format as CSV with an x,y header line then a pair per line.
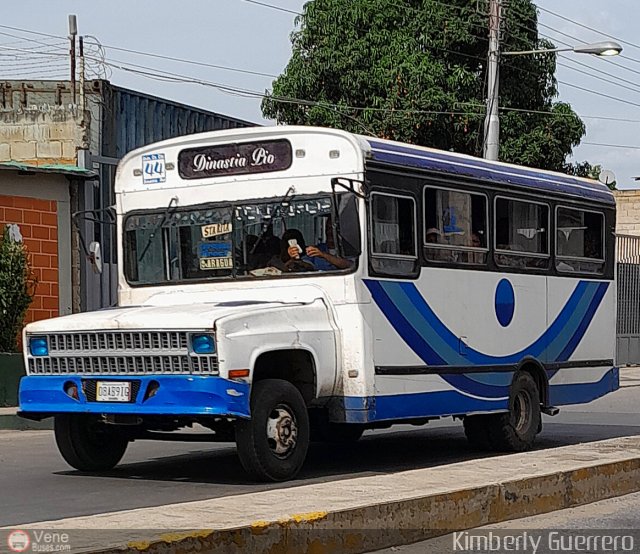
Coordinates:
x,y
451,163
385,151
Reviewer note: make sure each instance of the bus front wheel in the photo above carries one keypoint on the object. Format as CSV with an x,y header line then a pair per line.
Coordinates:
x,y
273,443
87,444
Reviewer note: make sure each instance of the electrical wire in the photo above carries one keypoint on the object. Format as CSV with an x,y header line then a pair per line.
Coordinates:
x,y
631,147
265,5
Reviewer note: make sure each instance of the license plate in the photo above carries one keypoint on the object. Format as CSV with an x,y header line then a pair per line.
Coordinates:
x,y
113,391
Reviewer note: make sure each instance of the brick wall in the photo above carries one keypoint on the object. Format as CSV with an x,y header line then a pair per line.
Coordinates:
x,y
38,223
628,212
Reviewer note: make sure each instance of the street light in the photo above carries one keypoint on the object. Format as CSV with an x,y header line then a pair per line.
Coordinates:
x,y
492,121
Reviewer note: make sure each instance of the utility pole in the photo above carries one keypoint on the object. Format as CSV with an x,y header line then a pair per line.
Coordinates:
x,y
492,121
73,31
81,53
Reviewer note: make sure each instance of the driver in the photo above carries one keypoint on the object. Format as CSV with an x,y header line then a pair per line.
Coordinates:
x,y
292,255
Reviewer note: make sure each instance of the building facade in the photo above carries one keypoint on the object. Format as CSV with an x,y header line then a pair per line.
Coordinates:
x,y
76,142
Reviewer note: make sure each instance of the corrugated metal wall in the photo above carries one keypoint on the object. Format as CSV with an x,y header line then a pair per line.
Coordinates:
x,y
132,119
628,315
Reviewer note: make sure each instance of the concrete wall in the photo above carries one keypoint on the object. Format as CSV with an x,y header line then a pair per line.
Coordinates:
x,y
39,204
628,212
42,134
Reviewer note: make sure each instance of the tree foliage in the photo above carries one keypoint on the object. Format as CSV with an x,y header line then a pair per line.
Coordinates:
x,y
17,286
415,71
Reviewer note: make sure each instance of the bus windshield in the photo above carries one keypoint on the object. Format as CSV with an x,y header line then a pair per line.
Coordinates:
x,y
248,239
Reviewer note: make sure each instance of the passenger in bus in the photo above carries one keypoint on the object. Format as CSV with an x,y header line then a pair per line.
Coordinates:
x,y
323,255
433,235
261,249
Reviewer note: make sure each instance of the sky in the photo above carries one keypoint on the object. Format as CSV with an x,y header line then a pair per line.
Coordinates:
x,y
244,35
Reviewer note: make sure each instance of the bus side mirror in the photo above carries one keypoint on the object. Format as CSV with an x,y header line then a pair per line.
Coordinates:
x,y
95,257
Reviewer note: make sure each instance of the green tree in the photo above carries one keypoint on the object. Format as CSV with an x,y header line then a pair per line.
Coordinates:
x,y
17,286
415,71
585,169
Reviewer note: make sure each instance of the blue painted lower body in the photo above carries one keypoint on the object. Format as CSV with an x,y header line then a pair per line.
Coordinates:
x,y
176,395
562,395
447,403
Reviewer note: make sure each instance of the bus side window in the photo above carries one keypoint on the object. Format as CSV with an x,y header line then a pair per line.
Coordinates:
x,y
521,234
393,228
579,241
455,226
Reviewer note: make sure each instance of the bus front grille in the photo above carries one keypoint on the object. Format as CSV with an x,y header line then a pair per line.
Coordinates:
x,y
121,353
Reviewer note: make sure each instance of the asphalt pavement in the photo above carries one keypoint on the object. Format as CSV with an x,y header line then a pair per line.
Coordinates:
x,y
36,484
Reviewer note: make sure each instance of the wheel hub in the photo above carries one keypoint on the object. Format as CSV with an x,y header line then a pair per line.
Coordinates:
x,y
282,431
522,412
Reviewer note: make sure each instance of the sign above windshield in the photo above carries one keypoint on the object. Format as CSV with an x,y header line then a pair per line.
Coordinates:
x,y
235,159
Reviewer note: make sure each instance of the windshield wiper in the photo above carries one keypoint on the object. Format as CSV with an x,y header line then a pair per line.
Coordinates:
x,y
173,204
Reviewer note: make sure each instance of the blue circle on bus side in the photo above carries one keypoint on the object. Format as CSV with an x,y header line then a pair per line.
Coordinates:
x,y
505,302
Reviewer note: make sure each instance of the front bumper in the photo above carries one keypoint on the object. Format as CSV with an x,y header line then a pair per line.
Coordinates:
x,y
176,395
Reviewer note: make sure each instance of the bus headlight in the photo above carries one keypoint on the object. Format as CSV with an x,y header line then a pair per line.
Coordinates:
x,y
38,346
203,344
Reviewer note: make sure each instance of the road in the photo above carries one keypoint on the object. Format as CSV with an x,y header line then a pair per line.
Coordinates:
x,y
36,484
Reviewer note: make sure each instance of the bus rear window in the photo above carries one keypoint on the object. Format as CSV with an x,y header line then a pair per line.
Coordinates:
x,y
579,241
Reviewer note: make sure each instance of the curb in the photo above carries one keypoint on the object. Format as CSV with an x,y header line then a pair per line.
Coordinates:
x,y
366,529
426,505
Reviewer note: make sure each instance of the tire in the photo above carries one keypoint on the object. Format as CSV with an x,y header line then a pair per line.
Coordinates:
x,y
516,430
273,443
476,429
86,444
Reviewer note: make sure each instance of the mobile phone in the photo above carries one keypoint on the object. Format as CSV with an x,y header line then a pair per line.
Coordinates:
x,y
294,242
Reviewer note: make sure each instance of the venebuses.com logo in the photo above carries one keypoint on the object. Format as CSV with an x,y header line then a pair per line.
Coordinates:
x,y
18,541
38,541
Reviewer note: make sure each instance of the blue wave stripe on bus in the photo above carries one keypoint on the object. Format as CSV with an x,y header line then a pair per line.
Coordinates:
x,y
414,320
442,161
440,403
584,324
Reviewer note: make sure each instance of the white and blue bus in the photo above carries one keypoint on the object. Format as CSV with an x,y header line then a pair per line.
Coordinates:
x,y
286,284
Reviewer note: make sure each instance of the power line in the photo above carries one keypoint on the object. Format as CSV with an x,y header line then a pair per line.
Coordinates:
x,y
611,145
587,27
191,62
271,6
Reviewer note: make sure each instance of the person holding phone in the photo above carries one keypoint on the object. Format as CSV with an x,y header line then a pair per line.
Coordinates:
x,y
323,255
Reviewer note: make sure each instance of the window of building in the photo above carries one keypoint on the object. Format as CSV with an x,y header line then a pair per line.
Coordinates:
x,y
393,226
521,234
579,240
455,226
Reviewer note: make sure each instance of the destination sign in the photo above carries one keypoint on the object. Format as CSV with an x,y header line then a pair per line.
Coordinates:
x,y
235,159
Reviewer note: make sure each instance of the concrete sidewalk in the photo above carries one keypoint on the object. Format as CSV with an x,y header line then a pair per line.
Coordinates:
x,y
369,513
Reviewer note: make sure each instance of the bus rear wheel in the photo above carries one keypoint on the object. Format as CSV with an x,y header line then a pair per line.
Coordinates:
x,y
87,444
273,443
516,430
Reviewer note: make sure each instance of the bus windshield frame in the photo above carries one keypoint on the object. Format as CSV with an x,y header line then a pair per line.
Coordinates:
x,y
229,241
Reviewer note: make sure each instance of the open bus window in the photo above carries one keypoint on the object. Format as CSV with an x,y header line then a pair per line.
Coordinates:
x,y
521,234
579,241
393,226
455,226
